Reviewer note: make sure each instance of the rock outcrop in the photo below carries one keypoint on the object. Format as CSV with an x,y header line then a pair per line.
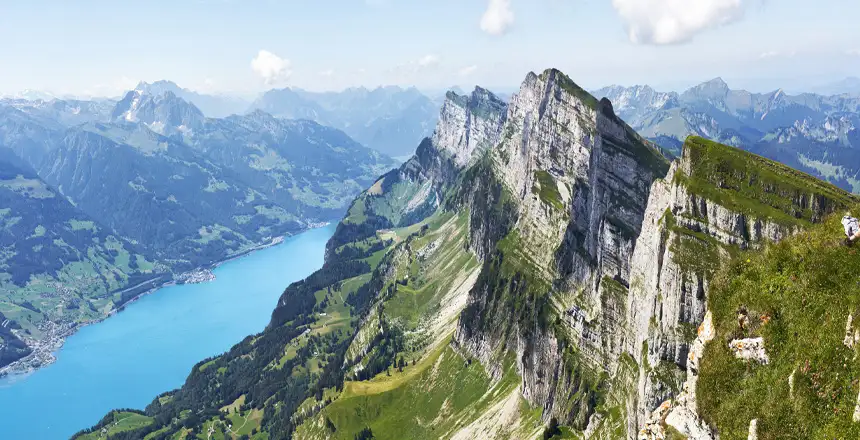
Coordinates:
x,y
577,179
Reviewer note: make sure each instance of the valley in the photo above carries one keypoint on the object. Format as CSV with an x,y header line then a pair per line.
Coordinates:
x,y
104,202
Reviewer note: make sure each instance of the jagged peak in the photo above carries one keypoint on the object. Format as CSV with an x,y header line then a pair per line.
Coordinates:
x,y
555,76
714,88
469,124
716,82
478,102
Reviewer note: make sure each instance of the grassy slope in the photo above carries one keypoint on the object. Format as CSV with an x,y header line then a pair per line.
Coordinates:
x,y
440,391
799,294
750,184
427,401
122,421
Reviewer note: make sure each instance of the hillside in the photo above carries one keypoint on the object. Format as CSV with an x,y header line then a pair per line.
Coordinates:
x,y
190,190
59,267
538,270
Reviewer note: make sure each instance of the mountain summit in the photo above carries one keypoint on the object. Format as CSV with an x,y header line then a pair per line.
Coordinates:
x,y
163,113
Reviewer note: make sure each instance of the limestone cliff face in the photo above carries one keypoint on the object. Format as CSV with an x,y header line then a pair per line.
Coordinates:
x,y
469,124
404,196
577,179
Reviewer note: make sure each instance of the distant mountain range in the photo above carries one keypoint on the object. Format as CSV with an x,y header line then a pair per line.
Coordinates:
x,y
811,132
115,194
390,119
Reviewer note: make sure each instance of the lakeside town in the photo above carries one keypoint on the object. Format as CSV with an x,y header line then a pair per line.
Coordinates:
x,y
195,277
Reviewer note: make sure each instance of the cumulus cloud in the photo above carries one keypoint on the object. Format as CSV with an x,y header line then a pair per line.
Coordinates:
x,y
468,70
498,17
272,68
675,21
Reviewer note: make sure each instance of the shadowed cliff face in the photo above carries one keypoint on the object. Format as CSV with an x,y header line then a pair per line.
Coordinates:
x,y
577,179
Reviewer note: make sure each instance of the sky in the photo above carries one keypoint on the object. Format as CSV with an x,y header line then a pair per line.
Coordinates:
x,y
102,47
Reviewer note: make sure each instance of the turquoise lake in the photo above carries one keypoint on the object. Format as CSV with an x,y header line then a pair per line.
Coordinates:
x,y
128,359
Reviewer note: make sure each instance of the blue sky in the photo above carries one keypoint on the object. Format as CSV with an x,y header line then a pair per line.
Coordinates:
x,y
101,47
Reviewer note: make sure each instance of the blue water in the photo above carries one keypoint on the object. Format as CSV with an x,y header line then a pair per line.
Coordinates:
x,y
128,359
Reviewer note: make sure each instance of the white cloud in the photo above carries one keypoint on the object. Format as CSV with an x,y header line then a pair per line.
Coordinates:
x,y
272,68
428,61
498,17
468,70
675,21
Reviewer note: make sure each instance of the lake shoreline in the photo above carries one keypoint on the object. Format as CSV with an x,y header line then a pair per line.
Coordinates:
x,y
45,354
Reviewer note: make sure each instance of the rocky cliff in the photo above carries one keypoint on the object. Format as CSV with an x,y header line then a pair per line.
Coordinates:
x,y
578,179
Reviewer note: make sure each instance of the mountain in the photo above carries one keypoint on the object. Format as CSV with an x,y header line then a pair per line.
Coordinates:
x,y
793,129
850,85
163,113
28,136
389,119
217,187
306,167
153,175
169,199
67,112
32,95
213,106
540,270
59,266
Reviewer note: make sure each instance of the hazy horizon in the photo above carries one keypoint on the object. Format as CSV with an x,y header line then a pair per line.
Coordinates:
x,y
222,46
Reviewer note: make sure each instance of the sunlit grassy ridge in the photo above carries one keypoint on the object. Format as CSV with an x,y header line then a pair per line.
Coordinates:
x,y
444,392
117,422
750,184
